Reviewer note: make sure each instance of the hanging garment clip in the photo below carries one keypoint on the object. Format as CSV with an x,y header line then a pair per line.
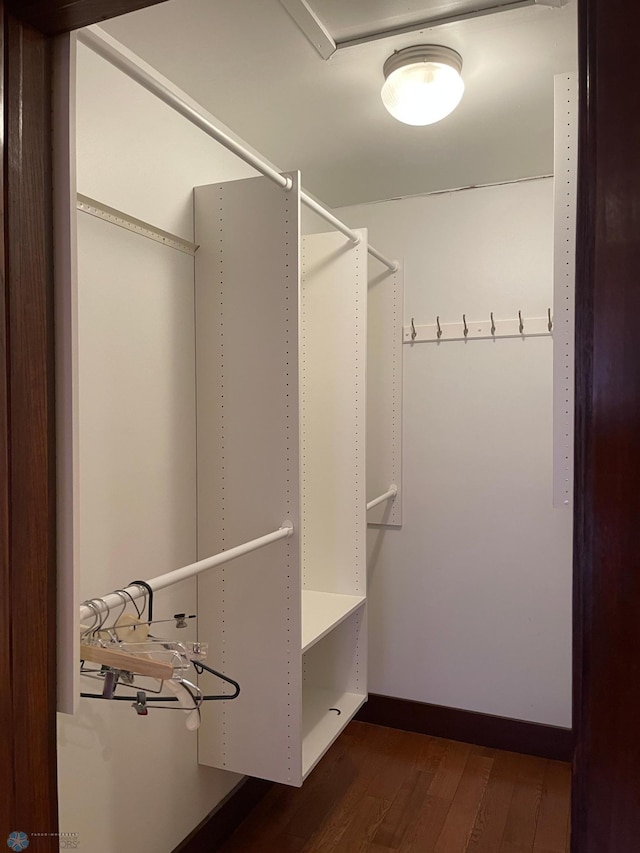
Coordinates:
x,y
493,325
413,331
439,332
550,321
520,323
140,704
464,323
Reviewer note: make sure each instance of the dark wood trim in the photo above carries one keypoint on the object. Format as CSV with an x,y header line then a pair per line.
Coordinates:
x,y
583,393
606,786
53,17
214,830
468,726
7,750
28,433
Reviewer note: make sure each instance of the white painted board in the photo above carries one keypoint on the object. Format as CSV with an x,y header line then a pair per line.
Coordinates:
x,y
384,394
247,277
66,324
564,275
333,324
323,611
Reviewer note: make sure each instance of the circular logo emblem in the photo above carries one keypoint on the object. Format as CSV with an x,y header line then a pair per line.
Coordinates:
x,y
17,841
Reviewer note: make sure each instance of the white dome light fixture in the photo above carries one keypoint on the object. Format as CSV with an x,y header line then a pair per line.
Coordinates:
x,y
422,83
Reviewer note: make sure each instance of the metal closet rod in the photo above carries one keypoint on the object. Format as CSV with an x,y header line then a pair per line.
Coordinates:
x,y
393,491
107,51
115,600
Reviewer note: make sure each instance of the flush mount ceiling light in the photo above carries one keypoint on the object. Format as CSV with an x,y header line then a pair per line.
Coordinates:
x,y
422,83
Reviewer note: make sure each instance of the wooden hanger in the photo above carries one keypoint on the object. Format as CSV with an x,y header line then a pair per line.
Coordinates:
x,y
126,661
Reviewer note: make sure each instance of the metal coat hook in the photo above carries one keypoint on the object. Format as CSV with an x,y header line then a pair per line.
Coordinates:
x,y
493,325
521,324
466,328
550,323
439,332
413,331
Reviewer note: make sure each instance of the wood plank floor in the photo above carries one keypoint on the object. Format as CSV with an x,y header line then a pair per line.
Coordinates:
x,y
381,790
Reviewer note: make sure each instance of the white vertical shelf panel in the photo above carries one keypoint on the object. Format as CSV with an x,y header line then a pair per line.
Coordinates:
x,y
384,395
333,326
67,409
565,189
247,278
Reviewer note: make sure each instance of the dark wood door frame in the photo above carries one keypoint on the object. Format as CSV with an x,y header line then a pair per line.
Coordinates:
x,y
27,486
606,788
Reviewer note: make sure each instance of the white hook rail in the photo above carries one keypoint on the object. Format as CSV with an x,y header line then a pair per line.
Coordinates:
x,y
113,600
485,329
393,491
105,47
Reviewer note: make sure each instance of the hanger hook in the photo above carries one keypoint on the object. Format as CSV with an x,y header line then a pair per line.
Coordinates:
x,y
131,599
123,598
148,597
493,325
104,610
96,617
439,332
100,616
550,321
413,331
464,322
520,323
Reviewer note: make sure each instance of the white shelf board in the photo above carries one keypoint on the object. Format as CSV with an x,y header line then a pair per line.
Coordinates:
x,y
320,726
322,611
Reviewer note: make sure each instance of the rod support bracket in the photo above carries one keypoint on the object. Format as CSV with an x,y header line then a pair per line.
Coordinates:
x,y
288,525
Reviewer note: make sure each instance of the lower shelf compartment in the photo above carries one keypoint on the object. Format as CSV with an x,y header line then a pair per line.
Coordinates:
x,y
321,724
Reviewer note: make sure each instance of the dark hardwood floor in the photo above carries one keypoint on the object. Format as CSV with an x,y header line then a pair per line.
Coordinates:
x,y
381,790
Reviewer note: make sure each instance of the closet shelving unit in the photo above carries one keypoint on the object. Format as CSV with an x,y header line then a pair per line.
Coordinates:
x,y
281,378
281,354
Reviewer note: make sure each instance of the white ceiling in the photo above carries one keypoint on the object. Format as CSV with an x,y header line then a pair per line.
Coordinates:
x,y
357,17
249,64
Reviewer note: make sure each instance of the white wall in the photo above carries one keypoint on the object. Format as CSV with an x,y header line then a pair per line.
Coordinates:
x,y
470,602
125,779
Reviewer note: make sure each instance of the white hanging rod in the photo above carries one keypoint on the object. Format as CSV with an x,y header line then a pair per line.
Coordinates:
x,y
393,491
104,48
113,600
